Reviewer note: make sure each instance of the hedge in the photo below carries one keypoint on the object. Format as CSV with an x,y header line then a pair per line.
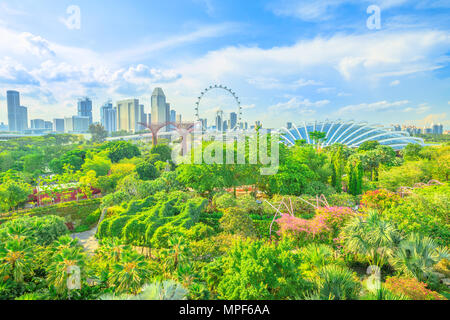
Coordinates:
x,y
75,212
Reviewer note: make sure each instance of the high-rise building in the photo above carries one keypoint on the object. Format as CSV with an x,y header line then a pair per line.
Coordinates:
x,y
289,125
173,118
219,121
85,108
437,128
159,106
22,119
108,117
76,124
143,117
58,125
204,123
179,118
128,115
233,120
37,124
149,118
3,127
225,125
13,102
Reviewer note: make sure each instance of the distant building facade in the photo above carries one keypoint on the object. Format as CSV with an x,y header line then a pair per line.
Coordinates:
x,y
76,124
85,108
108,117
58,125
128,115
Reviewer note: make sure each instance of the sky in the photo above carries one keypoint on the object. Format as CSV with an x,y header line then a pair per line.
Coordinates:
x,y
287,60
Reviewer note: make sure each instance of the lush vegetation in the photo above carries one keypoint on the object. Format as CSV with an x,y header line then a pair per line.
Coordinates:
x,y
333,223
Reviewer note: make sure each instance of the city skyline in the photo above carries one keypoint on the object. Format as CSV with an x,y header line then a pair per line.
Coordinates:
x,y
287,60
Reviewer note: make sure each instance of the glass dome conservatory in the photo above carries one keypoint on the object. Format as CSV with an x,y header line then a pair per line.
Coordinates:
x,y
349,133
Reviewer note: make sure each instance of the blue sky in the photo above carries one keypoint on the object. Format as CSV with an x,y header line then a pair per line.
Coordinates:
x,y
287,60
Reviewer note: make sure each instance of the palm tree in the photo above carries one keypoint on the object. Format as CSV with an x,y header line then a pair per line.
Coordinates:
x,y
16,259
337,283
130,273
417,255
61,262
371,237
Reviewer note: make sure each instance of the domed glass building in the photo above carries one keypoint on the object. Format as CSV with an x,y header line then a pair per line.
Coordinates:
x,y
349,133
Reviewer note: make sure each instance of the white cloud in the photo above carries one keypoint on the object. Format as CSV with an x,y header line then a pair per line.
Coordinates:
x,y
373,107
299,105
422,108
394,83
273,83
308,10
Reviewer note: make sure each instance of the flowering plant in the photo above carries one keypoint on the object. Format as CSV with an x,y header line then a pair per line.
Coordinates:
x,y
412,289
324,226
379,200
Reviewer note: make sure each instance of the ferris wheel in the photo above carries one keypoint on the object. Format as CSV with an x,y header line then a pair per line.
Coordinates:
x,y
230,92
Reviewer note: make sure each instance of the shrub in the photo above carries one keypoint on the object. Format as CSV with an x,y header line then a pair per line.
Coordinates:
x,y
224,201
236,221
257,270
337,283
42,230
412,289
379,200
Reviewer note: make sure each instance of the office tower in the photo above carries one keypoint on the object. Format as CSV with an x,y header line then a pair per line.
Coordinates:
x,y
233,120
21,119
3,127
179,118
149,118
289,125
128,115
159,106
58,125
76,124
108,117
173,118
397,128
169,127
437,128
258,124
143,117
85,108
204,123
225,126
37,124
219,121
13,102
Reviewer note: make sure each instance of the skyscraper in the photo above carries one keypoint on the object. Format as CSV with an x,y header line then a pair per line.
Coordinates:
x,y
143,117
21,119
85,108
233,120
128,115
219,120
173,118
108,116
13,101
159,112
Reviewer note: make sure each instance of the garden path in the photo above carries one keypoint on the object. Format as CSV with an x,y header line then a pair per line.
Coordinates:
x,y
87,239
